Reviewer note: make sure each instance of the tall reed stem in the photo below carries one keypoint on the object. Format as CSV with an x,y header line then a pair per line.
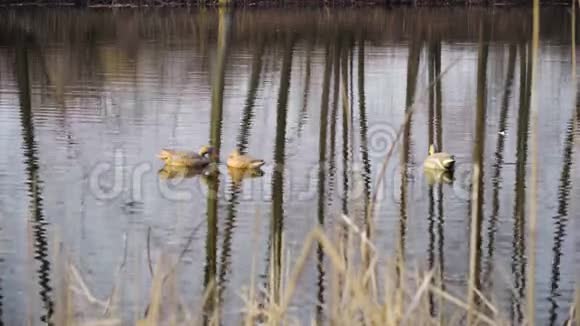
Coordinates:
x,y
533,193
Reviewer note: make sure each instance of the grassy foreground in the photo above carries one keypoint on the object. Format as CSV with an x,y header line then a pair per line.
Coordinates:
x,y
360,292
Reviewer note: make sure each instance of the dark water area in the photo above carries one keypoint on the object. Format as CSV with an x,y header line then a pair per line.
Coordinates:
x,y
88,99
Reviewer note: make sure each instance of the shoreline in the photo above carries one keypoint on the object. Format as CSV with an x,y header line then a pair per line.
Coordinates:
x,y
273,4
375,25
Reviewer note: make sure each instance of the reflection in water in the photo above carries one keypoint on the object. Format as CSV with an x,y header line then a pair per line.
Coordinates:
x,y
413,61
211,247
39,224
499,162
333,119
431,245
518,240
435,72
364,146
278,173
346,127
237,175
364,143
306,91
342,61
248,113
217,90
215,141
561,220
322,178
330,195
477,191
168,172
436,177
430,178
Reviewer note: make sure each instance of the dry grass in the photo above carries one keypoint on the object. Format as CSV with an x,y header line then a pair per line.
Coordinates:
x,y
533,193
361,293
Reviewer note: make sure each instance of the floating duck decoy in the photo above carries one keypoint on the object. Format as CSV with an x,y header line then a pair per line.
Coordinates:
x,y
206,155
237,175
439,160
438,176
240,161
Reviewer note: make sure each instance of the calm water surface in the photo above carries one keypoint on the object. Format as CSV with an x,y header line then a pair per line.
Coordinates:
x,y
87,100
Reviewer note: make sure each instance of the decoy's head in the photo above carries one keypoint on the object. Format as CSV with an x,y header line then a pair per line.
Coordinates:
x,y
209,152
164,155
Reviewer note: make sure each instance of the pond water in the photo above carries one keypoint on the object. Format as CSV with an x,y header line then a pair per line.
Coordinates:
x,y
89,98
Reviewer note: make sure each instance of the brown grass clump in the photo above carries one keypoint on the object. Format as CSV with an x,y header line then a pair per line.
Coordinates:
x,y
361,292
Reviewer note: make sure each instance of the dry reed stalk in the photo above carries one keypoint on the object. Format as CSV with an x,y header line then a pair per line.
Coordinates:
x,y
488,303
366,249
477,174
533,194
249,320
417,297
452,299
30,269
575,315
156,292
474,230
84,289
336,259
63,308
358,304
207,295
113,295
371,206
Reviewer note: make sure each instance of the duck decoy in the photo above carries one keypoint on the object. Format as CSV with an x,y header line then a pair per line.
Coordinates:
x,y
206,155
243,161
435,176
169,172
439,160
237,175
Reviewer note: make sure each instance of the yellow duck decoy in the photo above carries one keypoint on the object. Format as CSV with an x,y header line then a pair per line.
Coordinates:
x,y
435,176
240,161
237,175
439,160
206,155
